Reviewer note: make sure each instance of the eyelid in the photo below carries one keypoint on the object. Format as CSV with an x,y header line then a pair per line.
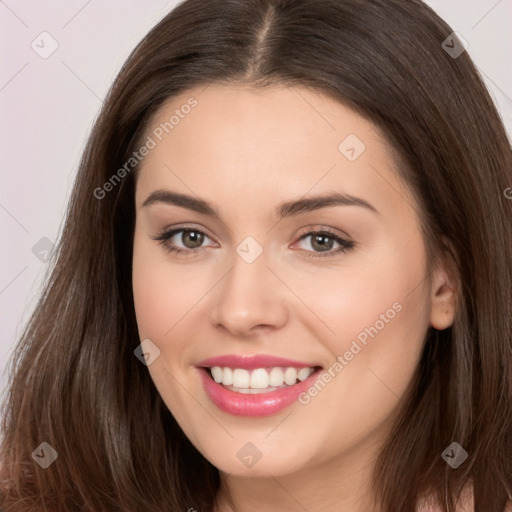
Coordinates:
x,y
343,239
173,229
320,228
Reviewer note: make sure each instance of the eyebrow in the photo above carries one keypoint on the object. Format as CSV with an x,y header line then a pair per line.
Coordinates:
x,y
286,209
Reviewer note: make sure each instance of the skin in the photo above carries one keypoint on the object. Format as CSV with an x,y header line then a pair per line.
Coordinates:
x,y
246,151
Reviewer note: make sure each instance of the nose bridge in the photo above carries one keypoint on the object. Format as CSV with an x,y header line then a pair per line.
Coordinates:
x,y
250,294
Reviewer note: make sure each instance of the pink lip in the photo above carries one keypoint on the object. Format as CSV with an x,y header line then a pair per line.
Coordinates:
x,y
261,404
253,362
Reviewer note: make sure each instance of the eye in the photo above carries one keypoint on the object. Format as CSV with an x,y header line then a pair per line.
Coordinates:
x,y
192,239
323,241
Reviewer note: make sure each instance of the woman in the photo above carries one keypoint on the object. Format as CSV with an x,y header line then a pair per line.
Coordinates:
x,y
284,278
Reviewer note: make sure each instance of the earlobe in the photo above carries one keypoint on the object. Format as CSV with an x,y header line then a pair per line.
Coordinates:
x,y
444,293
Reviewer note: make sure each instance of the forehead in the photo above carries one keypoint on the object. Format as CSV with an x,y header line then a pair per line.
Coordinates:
x,y
277,116
226,140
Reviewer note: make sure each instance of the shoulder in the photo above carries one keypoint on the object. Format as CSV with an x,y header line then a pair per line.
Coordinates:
x,y
464,504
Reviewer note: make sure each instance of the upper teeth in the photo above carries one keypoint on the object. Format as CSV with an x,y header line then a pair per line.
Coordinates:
x,y
260,378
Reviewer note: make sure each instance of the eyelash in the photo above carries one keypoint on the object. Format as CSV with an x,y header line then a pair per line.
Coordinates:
x,y
346,245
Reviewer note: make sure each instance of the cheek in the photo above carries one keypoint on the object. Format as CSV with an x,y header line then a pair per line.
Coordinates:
x,y
368,293
379,316
159,292
168,298
155,291
150,298
374,315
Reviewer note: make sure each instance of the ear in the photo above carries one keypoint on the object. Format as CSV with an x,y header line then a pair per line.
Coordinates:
x,y
444,289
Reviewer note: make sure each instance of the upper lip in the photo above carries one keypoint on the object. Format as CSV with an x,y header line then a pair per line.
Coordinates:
x,y
251,362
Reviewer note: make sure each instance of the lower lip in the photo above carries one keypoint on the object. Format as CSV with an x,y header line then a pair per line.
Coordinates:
x,y
261,404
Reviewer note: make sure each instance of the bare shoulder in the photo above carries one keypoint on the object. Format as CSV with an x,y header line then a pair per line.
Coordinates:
x,y
467,504
464,504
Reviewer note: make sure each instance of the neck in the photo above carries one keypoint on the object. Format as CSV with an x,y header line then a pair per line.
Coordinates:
x,y
339,483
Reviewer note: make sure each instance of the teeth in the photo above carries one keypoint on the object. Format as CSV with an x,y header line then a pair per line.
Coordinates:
x,y
227,378
241,378
261,378
217,374
222,376
304,373
290,376
276,377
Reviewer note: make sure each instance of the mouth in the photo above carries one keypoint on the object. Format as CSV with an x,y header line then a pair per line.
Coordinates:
x,y
256,391
259,380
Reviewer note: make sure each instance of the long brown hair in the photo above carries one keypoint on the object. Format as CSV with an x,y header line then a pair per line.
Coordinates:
x,y
76,383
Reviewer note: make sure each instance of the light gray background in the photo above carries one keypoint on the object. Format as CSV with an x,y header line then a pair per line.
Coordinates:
x,y
48,107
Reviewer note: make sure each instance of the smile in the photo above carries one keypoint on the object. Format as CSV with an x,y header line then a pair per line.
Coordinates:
x,y
258,385
260,380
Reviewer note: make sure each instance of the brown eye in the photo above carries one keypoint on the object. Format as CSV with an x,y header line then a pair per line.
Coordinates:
x,y
322,243
186,241
194,238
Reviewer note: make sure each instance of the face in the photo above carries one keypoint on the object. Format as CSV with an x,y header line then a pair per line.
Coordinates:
x,y
332,296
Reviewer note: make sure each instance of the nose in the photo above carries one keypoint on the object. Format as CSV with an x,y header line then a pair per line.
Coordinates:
x,y
250,299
